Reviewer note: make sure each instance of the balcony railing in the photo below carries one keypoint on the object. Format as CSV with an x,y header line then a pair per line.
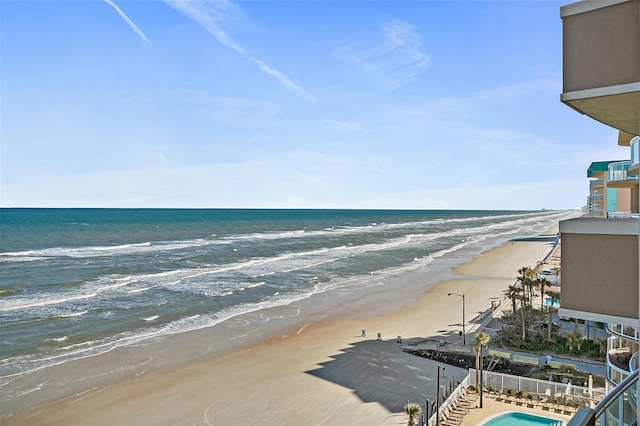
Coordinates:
x,y
619,407
620,351
620,171
623,215
596,183
634,362
624,331
596,212
635,153
596,197
616,374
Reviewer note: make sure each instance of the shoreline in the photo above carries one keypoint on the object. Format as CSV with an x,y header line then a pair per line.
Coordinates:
x,y
276,380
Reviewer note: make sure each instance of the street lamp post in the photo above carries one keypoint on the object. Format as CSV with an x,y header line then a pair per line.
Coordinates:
x,y
464,334
437,407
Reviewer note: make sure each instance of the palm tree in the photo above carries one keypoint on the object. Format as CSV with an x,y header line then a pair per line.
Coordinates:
x,y
413,410
556,269
476,349
517,293
482,339
574,340
542,283
513,293
526,278
602,346
523,276
555,297
531,284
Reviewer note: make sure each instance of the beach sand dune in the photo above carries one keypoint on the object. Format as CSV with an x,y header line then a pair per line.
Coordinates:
x,y
321,374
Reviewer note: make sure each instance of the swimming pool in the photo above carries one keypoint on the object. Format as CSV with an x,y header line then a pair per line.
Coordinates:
x,y
547,302
521,419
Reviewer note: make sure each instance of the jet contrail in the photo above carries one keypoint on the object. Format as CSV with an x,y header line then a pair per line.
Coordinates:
x,y
209,15
133,26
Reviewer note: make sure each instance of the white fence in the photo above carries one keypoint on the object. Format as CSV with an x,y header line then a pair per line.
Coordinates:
x,y
450,400
502,381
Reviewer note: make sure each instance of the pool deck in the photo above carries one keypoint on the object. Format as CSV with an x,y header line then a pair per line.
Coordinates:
x,y
491,407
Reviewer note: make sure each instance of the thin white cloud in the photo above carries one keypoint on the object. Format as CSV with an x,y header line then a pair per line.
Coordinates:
x,y
210,14
396,61
133,26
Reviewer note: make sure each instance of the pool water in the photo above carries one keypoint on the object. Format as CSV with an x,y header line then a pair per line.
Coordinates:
x,y
522,419
547,302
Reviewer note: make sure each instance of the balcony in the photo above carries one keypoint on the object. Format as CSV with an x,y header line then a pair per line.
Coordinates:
x,y
618,175
596,212
619,407
601,61
635,155
596,183
616,374
622,331
596,198
600,270
623,215
620,351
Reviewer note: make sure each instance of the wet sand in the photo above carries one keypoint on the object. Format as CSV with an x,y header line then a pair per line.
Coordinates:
x,y
323,373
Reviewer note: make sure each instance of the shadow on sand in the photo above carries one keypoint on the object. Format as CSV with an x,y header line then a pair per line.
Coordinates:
x,y
380,371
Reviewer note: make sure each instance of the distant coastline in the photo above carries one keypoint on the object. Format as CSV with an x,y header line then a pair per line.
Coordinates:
x,y
277,273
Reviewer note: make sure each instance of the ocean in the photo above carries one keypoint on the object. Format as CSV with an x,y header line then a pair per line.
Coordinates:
x,y
80,284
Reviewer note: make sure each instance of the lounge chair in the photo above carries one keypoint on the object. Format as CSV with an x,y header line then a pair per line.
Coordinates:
x,y
568,407
532,399
467,398
581,402
520,399
462,407
451,415
546,399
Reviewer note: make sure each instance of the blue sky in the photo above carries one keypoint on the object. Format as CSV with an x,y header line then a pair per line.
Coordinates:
x,y
292,104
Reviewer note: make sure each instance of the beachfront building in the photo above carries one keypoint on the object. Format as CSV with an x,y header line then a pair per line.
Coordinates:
x,y
623,345
610,188
597,200
622,177
600,255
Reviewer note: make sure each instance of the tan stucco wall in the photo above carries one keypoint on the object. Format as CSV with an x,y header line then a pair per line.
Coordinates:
x,y
600,274
601,47
623,200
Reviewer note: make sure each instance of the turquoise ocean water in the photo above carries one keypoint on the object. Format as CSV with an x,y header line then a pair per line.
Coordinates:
x,y
77,283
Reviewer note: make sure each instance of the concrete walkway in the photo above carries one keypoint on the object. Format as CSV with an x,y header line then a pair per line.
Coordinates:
x,y
491,407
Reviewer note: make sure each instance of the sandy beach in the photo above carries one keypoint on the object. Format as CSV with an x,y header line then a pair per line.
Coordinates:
x,y
322,373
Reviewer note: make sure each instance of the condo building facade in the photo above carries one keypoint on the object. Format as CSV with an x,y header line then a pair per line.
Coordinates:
x,y
611,188
600,252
